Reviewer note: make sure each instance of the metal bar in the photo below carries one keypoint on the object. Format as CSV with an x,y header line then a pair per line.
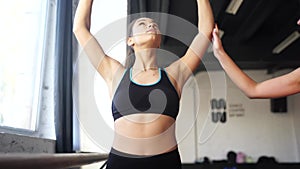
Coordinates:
x,y
49,161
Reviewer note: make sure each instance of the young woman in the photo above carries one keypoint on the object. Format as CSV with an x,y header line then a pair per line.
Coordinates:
x,y
273,88
145,97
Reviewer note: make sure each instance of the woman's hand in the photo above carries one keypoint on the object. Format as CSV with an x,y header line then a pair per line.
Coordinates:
x,y
298,22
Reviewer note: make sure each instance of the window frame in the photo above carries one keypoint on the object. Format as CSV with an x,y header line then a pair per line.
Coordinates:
x,y
43,92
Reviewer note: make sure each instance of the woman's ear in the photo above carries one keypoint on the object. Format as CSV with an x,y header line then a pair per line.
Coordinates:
x,y
130,42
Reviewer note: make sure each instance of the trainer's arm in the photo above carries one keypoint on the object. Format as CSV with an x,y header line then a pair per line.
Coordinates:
x,y
277,87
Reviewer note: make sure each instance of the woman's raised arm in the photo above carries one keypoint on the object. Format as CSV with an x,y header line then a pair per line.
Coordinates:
x,y
104,64
82,21
188,63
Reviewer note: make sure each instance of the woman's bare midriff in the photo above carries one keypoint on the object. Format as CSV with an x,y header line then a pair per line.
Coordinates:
x,y
145,134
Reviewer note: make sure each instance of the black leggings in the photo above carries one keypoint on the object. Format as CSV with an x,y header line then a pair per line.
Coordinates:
x,y
119,160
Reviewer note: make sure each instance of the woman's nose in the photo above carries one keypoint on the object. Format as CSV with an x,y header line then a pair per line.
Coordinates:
x,y
150,25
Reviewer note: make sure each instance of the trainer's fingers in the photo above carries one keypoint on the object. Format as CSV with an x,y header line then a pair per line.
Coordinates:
x,y
298,22
215,33
216,26
216,29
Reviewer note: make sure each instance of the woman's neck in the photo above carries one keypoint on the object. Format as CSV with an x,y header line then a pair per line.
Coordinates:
x,y
145,60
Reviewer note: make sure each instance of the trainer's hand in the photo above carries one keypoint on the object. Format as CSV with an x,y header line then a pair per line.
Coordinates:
x,y
298,22
217,43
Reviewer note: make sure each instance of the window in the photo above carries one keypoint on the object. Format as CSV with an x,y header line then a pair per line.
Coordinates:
x,y
21,60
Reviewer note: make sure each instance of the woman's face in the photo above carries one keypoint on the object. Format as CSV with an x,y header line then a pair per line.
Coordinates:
x,y
145,30
145,26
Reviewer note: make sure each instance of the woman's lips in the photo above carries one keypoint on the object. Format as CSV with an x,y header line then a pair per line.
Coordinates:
x,y
151,31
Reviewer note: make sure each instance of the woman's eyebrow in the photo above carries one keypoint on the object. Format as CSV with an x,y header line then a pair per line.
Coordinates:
x,y
140,20
145,20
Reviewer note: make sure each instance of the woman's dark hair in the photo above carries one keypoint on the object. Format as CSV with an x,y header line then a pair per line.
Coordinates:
x,y
130,58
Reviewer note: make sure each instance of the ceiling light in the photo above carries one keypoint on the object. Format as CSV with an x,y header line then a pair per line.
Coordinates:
x,y
234,6
286,42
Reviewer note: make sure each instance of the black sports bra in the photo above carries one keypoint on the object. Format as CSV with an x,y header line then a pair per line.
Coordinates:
x,y
160,97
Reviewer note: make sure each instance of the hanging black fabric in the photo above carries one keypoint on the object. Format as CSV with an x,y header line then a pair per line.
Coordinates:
x,y
63,78
137,6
